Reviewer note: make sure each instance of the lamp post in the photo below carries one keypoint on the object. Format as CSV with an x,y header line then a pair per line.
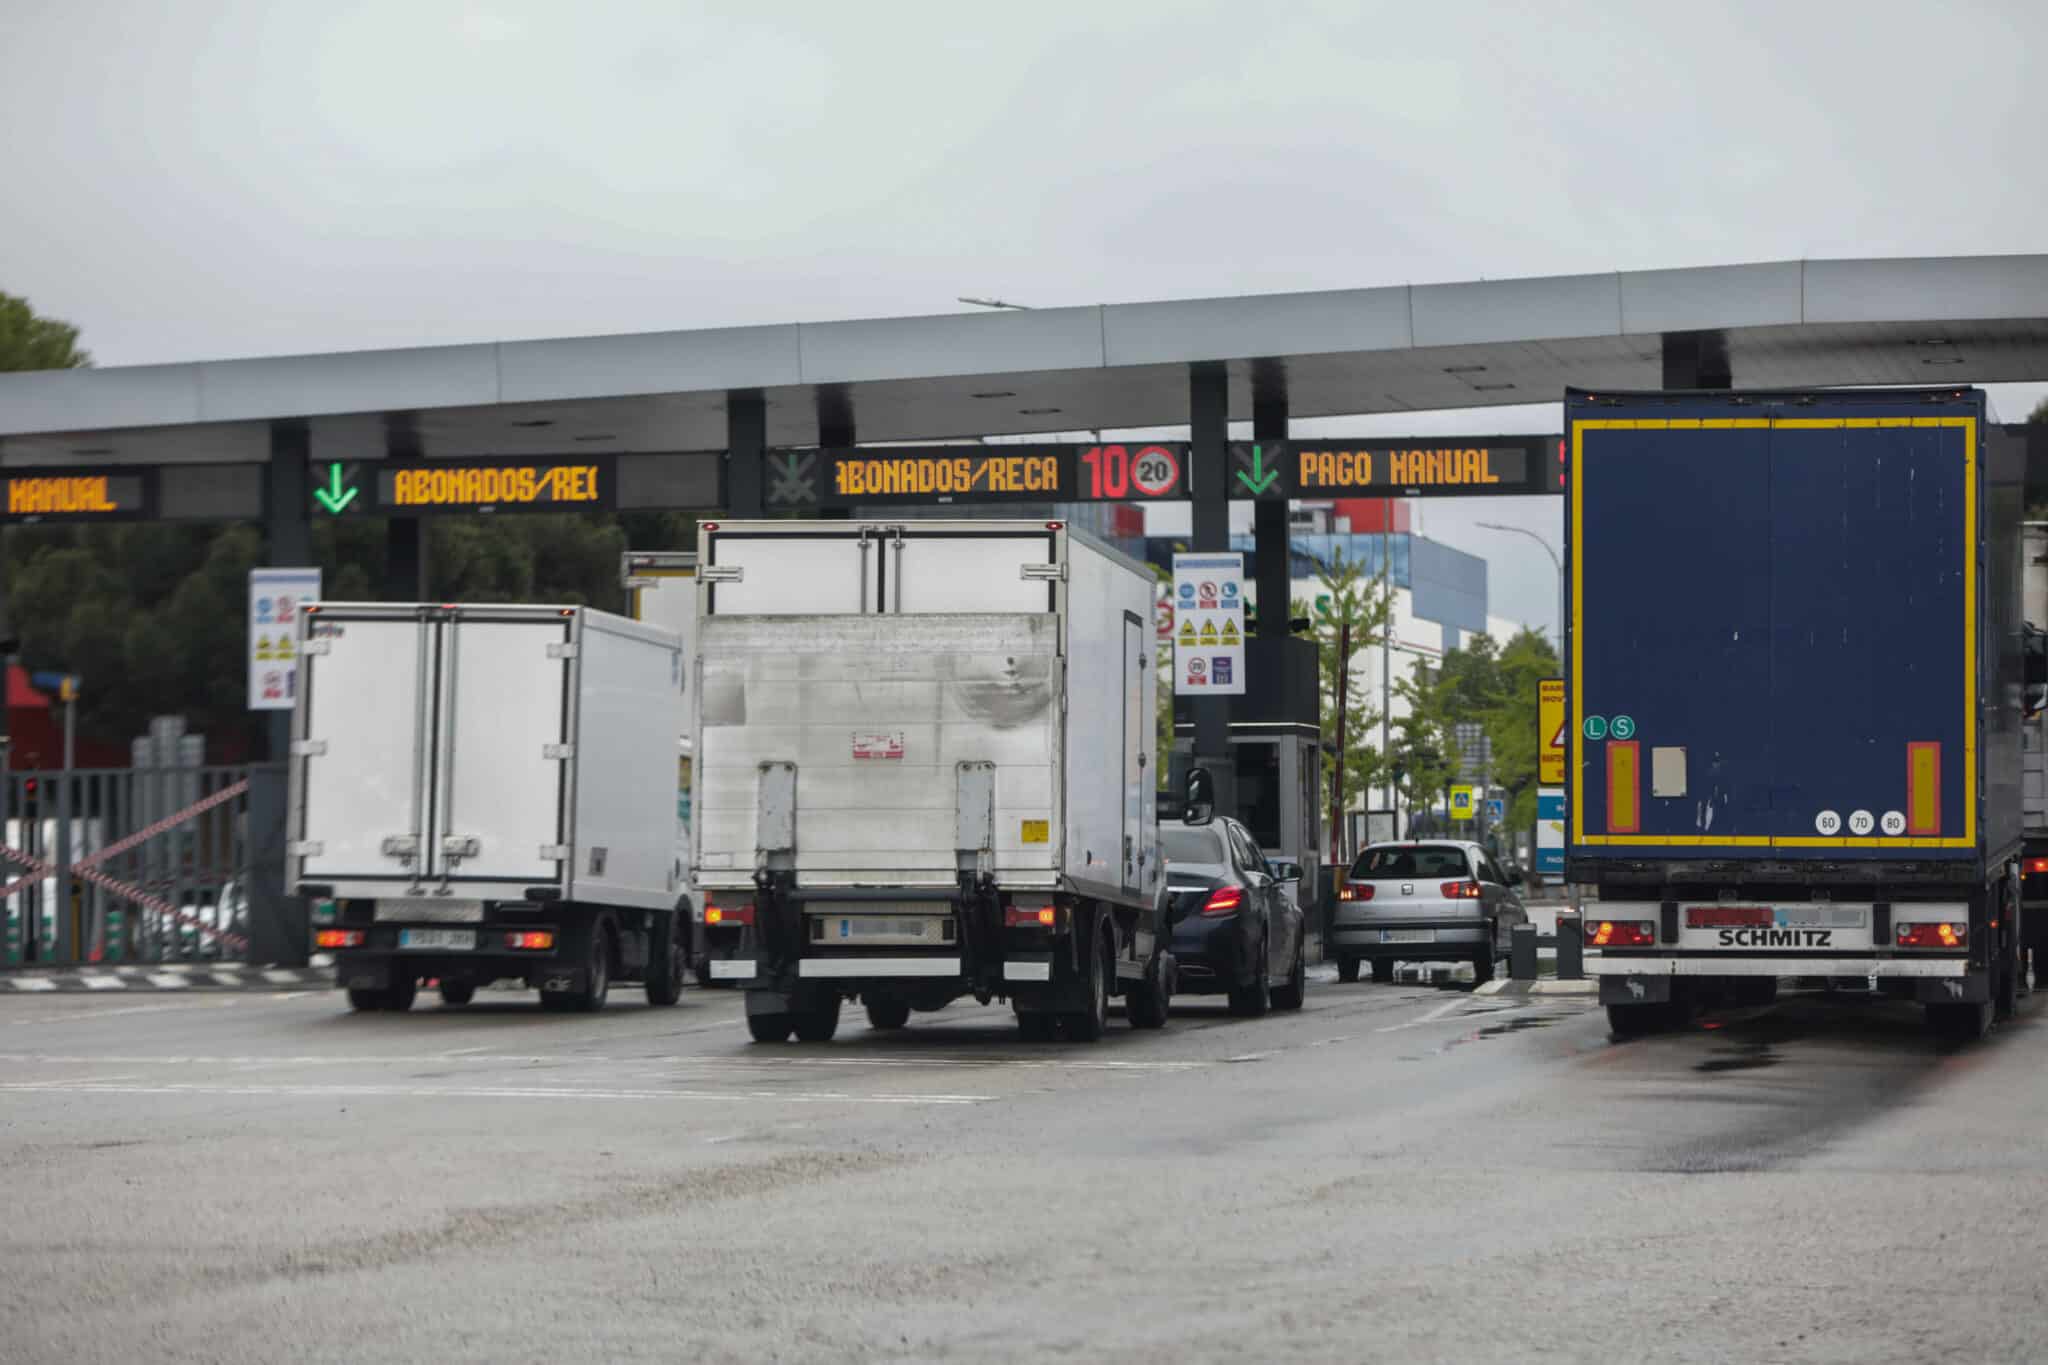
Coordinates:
x,y
1555,562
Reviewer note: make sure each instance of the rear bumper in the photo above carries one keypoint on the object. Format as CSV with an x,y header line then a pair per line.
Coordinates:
x,y
1212,957
1902,968
1016,967
1364,940
375,969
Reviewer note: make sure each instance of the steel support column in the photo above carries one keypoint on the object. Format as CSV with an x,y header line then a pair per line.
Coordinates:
x,y
278,930
1275,581
405,538
1697,360
746,447
1209,456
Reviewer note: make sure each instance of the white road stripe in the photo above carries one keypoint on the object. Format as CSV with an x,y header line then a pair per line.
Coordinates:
x,y
1441,1014
475,1092
169,981
34,983
103,983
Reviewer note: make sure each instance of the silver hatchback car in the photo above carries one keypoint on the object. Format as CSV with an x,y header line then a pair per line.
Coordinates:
x,y
1425,901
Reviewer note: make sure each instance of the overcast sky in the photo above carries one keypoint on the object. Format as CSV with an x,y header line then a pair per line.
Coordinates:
x,y
207,178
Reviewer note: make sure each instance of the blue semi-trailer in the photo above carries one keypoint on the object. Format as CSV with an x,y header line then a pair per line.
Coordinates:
x,y
1794,681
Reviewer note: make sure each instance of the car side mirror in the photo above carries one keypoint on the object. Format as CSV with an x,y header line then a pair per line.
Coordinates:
x,y
1200,805
1515,876
1287,872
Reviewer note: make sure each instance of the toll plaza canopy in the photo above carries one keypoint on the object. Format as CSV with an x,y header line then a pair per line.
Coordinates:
x,y
600,403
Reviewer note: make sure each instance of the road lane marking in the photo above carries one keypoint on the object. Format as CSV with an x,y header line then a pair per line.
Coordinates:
x,y
477,1092
585,1059
1452,1012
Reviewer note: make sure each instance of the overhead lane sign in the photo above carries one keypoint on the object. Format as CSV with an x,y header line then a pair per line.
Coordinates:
x,y
1024,472
431,487
1402,467
73,495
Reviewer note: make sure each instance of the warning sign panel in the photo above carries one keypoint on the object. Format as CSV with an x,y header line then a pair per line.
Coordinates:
x,y
276,597
1208,649
1550,732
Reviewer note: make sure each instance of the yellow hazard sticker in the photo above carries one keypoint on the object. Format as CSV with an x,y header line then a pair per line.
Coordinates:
x,y
1037,831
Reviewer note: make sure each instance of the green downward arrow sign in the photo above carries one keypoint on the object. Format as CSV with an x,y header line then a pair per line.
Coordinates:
x,y
1260,478
336,495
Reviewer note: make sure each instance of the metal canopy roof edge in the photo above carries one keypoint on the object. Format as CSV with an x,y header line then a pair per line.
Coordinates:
x,y
1122,365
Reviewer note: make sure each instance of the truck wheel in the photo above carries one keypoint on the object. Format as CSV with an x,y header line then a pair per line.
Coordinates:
x,y
1146,1003
1636,1021
1959,1023
666,962
364,1001
1347,969
457,992
1251,1002
888,1014
1036,1028
1291,995
819,1023
1088,1025
769,1028
398,997
1383,970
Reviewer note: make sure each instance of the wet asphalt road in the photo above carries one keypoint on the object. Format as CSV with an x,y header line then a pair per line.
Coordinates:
x,y
1395,1173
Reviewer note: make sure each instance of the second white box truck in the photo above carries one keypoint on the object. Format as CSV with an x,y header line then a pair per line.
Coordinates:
x,y
925,767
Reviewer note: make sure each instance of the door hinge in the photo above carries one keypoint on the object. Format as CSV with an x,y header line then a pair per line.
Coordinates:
x,y
309,748
1052,573
321,645
555,853
561,649
558,751
305,848
723,573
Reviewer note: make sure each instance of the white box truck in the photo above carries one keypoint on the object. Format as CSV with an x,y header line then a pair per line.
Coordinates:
x,y
924,769
490,792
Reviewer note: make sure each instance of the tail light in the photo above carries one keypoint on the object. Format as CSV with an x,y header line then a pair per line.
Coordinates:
x,y
1227,901
1355,891
718,914
530,940
1627,933
1030,916
1933,935
2036,865
1461,891
338,938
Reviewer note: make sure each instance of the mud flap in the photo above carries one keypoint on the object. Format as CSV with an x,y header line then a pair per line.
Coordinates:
x,y
1635,990
1973,989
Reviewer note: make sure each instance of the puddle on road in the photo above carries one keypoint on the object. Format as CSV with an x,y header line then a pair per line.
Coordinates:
x,y
1741,1056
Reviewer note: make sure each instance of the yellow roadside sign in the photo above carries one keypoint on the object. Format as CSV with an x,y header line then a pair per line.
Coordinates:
x,y
1461,803
1550,732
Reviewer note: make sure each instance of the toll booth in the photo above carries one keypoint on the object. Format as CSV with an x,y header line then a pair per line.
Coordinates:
x,y
1273,785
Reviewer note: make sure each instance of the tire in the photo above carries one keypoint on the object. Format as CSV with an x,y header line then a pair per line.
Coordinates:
x,y
365,1001
1088,1025
1482,968
667,961
1636,1021
398,997
588,998
457,992
888,1014
1252,1002
1960,1023
1291,995
1037,1028
1383,971
1146,1003
819,1023
769,1028
1347,969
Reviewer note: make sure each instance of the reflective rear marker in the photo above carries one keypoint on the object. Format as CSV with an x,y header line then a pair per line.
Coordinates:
x,y
1923,788
1624,806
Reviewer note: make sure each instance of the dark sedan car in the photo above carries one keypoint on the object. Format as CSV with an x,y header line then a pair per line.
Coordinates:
x,y
1236,929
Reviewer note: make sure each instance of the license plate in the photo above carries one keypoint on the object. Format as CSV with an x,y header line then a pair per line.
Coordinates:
x,y
1407,935
889,926
457,939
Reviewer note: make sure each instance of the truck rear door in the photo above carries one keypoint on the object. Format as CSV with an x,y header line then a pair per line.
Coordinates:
x,y
500,775
363,737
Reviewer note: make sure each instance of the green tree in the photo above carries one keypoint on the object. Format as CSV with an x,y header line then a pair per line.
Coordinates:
x,y
1425,744
1482,683
29,342
2040,412
1351,603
